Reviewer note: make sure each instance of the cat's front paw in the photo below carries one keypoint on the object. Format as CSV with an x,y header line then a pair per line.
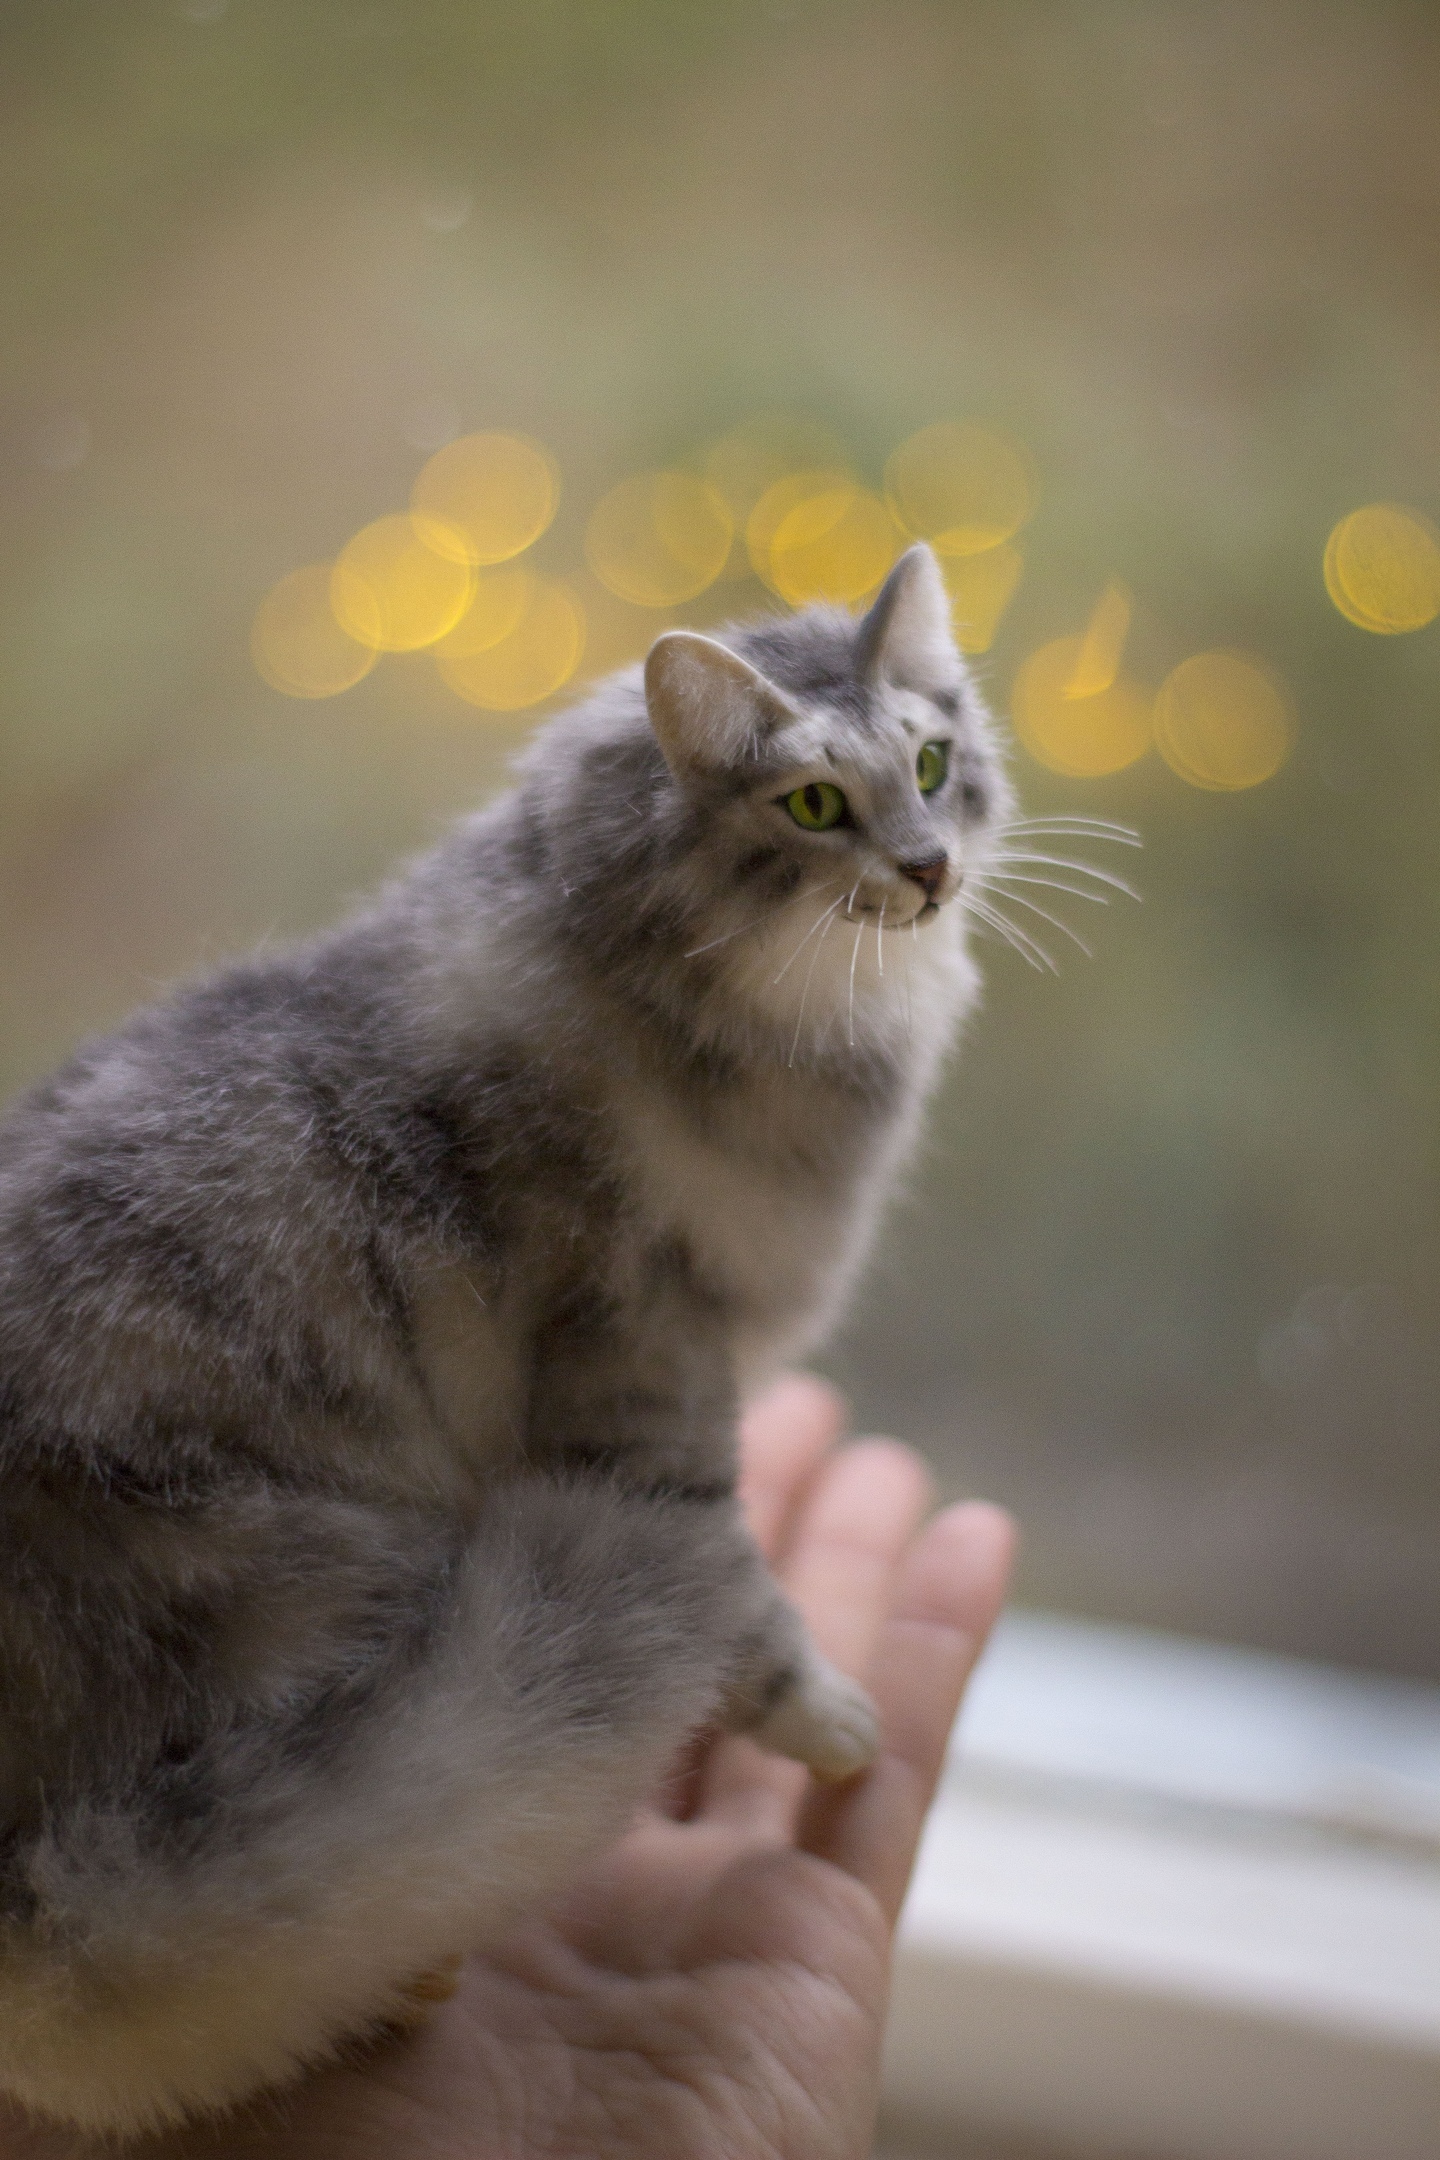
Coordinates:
x,y
825,1721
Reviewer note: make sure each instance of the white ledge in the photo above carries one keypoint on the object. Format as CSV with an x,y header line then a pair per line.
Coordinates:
x,y
1180,1901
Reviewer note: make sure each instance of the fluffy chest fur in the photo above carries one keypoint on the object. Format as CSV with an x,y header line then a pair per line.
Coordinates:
x,y
775,1185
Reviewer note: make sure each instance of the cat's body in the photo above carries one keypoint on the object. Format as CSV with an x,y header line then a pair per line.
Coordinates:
x,y
373,1321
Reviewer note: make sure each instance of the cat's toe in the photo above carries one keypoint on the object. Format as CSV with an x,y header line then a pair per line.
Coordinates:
x,y
421,1997
827,1722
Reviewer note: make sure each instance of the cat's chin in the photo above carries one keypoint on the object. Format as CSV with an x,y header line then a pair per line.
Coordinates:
x,y
858,985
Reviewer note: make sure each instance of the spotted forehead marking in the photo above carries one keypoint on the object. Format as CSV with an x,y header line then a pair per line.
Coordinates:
x,y
895,719
916,713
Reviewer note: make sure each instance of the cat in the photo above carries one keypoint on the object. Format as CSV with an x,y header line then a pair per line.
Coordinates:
x,y
373,1323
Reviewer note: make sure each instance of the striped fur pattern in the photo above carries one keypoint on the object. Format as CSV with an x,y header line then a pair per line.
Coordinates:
x,y
373,1322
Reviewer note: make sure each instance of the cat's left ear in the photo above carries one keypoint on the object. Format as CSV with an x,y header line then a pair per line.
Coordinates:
x,y
907,636
710,710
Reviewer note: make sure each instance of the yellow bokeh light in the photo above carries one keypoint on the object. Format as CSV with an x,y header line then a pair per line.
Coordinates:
x,y
1224,720
500,598
389,587
536,657
496,492
298,646
659,538
1103,646
1342,599
961,487
616,631
835,546
816,536
766,448
981,588
1382,568
1082,737
781,497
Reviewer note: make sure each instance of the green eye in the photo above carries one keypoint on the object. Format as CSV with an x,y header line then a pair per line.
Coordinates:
x,y
816,807
932,765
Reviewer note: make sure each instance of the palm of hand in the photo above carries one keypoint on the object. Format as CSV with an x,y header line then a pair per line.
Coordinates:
x,y
717,1997
716,1985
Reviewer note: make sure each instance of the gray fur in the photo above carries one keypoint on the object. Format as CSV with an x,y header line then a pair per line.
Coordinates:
x,y
373,1321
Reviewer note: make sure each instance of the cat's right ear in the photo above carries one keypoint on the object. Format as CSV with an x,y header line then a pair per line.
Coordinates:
x,y
710,710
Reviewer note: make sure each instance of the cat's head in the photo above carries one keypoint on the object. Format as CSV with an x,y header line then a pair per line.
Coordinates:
x,y
837,775
741,839
854,757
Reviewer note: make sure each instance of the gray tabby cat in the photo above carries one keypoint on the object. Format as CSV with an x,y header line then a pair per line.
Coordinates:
x,y
373,1321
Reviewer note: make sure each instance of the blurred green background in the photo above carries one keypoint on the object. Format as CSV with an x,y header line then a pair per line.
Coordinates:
x,y
1167,1275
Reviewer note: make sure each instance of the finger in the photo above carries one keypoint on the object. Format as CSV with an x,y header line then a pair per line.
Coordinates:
x,y
849,1540
841,1567
784,1437
947,1598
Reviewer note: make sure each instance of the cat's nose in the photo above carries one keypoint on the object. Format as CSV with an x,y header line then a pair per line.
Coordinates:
x,y
927,873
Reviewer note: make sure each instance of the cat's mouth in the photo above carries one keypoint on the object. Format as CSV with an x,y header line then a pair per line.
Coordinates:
x,y
887,917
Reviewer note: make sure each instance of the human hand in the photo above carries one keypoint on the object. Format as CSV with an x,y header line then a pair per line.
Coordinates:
x,y
717,1982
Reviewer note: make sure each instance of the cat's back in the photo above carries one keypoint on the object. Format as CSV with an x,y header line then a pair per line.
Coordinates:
x,y
183,1202
142,1135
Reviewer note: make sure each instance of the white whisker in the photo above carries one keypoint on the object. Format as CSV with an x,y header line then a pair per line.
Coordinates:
x,y
755,920
1019,877
828,918
1096,828
1053,920
910,970
1062,862
1064,828
820,918
879,939
853,958
1028,948
1022,941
